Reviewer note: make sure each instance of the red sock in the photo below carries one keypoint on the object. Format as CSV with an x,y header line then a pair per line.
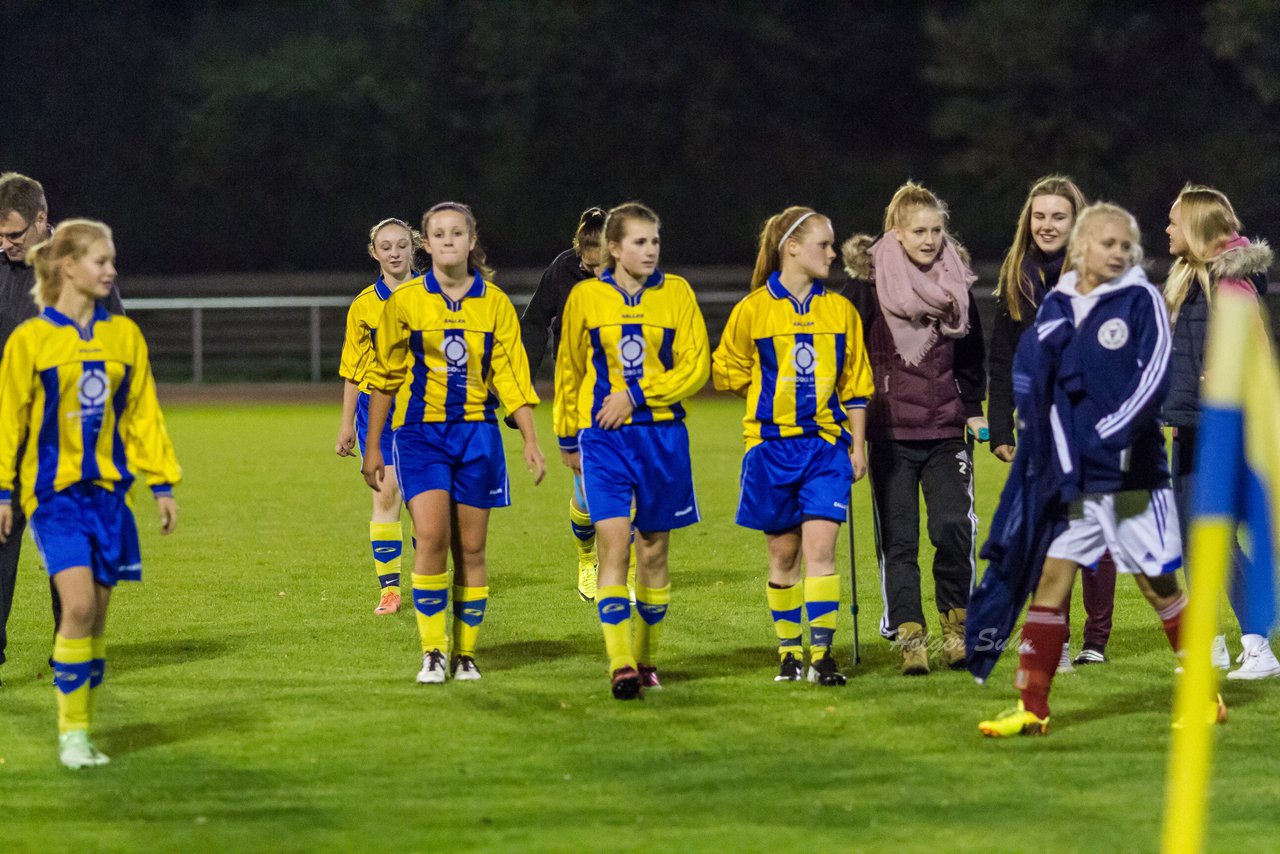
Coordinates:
x,y
1042,638
1171,616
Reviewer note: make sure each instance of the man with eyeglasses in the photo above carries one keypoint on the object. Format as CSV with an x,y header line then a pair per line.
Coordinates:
x,y
24,222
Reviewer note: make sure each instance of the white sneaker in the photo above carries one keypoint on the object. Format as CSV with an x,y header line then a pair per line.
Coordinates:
x,y
1257,661
76,751
1064,663
1221,658
433,670
464,669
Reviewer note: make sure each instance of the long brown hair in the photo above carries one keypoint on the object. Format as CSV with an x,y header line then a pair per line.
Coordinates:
x,y
1207,220
71,239
1013,286
792,223
476,262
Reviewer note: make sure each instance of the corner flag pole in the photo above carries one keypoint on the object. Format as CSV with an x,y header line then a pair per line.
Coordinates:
x,y
853,584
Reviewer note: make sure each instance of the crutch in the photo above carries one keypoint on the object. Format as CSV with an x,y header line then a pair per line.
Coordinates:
x,y
853,584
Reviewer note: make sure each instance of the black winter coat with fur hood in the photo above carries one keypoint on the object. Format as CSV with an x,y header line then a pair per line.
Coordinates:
x,y
1186,365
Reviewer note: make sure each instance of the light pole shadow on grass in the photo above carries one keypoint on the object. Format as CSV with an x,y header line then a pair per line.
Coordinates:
x,y
140,655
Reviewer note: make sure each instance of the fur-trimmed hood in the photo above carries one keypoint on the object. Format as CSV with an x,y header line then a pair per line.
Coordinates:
x,y
1241,262
856,253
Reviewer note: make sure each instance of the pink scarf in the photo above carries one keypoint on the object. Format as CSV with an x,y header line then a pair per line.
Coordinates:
x,y
918,304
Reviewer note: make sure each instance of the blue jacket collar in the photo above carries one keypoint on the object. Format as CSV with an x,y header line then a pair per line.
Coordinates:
x,y
380,288
653,281
433,286
777,290
57,318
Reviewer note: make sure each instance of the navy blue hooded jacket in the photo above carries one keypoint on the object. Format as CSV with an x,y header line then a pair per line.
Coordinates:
x,y
1088,384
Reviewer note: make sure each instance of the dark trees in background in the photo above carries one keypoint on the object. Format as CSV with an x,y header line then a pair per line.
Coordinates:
x,y
270,135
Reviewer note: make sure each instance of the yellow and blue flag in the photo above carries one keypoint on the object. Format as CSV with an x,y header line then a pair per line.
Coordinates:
x,y
1238,458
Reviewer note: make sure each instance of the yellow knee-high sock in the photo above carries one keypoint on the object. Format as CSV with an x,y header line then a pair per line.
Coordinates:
x,y
97,672
584,533
614,604
785,606
387,543
72,661
430,597
651,605
469,605
822,601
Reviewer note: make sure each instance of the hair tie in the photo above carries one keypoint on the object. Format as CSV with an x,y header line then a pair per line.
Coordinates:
x,y
793,227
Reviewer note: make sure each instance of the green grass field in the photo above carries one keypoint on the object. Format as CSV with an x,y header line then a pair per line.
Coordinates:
x,y
254,703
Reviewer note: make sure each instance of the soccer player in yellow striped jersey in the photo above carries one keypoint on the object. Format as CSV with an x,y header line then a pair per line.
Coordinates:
x,y
78,400
449,352
392,244
633,345
794,350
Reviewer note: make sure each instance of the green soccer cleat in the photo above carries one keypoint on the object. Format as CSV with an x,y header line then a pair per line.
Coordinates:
x,y
1015,722
588,577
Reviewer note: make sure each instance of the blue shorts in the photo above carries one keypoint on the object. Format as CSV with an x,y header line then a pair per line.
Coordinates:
x,y
464,458
649,462
85,525
362,427
786,481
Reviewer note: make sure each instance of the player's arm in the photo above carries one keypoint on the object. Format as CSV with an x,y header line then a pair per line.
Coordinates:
x,y
733,362
571,368
147,439
691,356
356,355
384,377
17,387
856,387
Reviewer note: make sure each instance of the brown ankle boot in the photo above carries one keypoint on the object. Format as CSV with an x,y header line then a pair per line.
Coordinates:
x,y
953,651
915,649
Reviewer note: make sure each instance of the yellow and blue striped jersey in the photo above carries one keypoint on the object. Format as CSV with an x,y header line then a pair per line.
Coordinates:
x,y
800,365
362,332
84,402
652,343
450,360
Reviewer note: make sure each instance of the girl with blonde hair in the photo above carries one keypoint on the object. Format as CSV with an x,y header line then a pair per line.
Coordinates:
x,y
78,401
1209,253
1031,268
392,243
794,350
1093,378
911,287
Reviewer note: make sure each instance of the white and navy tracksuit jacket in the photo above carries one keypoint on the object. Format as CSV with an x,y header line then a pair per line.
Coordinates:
x,y
1112,376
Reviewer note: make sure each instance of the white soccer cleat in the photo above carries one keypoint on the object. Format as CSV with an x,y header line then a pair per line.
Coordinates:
x,y
75,751
1064,663
1221,658
433,671
1257,661
464,669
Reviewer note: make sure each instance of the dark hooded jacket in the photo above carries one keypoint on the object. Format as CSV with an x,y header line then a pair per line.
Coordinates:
x,y
1186,367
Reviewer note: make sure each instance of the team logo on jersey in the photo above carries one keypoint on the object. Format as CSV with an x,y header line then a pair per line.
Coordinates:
x,y
804,358
93,388
1113,334
631,351
456,352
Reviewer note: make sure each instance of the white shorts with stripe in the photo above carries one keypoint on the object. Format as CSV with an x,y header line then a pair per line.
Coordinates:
x,y
1138,527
